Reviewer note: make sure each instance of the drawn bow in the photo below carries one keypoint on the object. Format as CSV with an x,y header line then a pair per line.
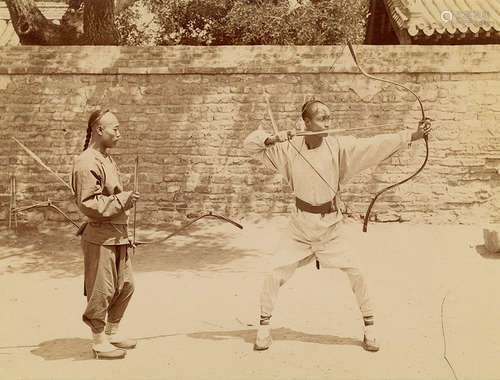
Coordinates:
x,y
423,120
335,131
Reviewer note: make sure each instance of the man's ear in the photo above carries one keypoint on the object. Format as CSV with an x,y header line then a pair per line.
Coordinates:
x,y
300,125
307,122
99,130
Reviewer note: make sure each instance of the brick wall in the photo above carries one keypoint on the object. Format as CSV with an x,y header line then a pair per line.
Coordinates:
x,y
186,111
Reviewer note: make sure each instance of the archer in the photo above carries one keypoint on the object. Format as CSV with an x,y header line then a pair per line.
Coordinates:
x,y
108,280
316,229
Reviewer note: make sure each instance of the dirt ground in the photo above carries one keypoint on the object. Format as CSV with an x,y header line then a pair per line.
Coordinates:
x,y
196,305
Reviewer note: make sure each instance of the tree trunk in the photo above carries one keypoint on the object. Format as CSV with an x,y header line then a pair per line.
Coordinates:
x,y
31,25
94,25
99,23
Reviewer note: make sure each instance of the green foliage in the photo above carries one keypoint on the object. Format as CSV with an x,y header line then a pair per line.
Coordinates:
x,y
249,22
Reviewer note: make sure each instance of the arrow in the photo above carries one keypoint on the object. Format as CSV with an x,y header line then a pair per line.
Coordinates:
x,y
38,159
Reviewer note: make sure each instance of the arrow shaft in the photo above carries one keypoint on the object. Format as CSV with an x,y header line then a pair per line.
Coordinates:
x,y
339,130
38,159
275,127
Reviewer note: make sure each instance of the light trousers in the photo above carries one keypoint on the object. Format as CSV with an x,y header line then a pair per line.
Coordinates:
x,y
280,275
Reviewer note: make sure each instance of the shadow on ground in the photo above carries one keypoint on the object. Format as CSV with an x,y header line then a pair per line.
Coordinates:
x,y
200,250
79,349
281,333
65,348
481,249
56,250
35,249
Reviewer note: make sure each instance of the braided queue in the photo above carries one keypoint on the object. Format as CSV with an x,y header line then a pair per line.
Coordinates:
x,y
93,119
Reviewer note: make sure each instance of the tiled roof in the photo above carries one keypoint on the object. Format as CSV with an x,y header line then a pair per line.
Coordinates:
x,y
51,10
451,16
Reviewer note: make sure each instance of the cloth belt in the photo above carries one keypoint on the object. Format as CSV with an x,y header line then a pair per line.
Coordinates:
x,y
325,208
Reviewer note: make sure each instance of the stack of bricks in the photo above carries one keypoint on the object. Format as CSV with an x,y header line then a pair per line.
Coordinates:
x,y
186,111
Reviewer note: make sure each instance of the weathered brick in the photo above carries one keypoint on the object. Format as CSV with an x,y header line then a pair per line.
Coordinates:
x,y
186,112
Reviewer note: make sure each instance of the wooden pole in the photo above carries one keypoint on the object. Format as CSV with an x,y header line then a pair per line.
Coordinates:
x,y
10,203
136,189
14,193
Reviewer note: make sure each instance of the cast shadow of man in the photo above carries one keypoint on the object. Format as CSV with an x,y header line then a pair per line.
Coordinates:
x,y
281,333
65,348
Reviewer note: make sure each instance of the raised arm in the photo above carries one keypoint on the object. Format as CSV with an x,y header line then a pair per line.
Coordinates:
x,y
358,154
269,150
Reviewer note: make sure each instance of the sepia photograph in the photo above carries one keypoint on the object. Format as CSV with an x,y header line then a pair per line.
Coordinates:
x,y
249,189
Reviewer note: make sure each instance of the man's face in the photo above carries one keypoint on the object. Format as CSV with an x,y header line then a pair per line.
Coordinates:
x,y
319,118
109,131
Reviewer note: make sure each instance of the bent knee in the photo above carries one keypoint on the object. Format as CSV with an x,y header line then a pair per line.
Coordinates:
x,y
353,270
354,273
128,288
274,277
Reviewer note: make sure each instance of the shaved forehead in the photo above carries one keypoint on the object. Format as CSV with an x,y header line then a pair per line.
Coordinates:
x,y
320,108
316,108
109,120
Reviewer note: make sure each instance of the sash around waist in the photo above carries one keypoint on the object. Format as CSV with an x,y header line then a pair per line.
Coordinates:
x,y
325,208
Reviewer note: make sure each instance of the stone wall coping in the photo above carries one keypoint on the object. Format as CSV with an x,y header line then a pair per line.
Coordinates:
x,y
174,60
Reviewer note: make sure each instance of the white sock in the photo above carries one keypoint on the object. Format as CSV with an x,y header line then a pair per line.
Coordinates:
x,y
101,342
370,331
112,328
99,338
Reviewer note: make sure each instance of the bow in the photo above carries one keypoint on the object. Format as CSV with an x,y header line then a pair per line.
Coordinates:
x,y
136,243
46,204
209,214
423,120
136,188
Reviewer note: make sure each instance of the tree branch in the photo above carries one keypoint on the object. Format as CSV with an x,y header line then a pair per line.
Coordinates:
x,y
89,22
31,25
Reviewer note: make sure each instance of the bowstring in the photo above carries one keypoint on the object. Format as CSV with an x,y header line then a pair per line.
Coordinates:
x,y
349,211
337,57
313,168
332,66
